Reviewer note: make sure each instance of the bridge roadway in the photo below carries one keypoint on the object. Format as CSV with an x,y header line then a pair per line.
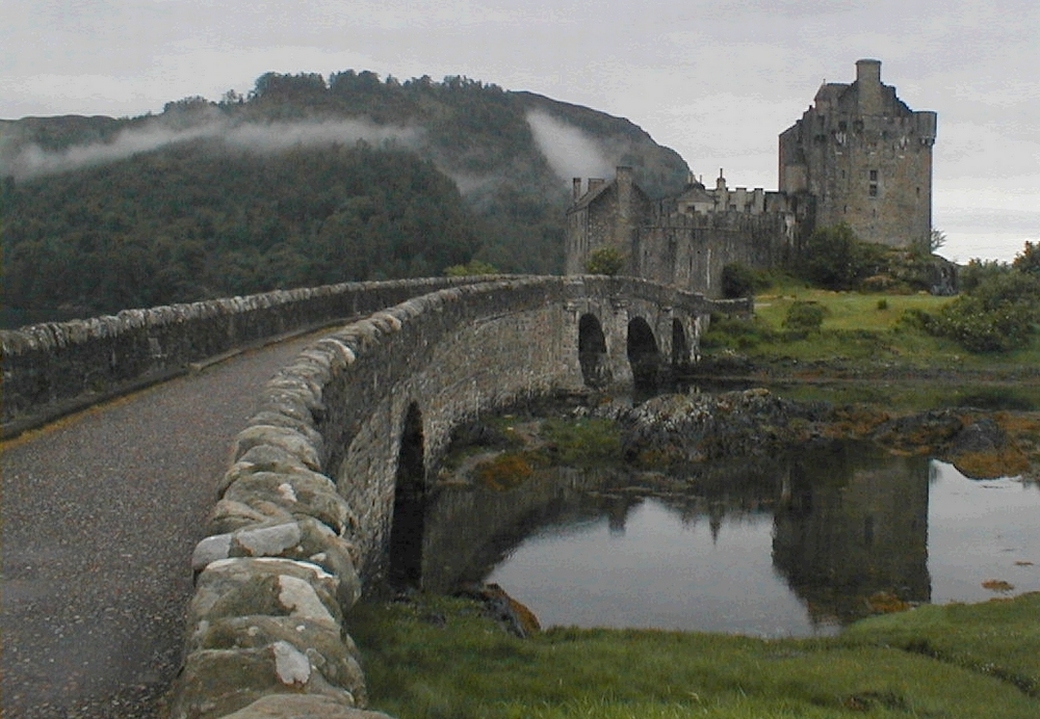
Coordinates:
x,y
94,587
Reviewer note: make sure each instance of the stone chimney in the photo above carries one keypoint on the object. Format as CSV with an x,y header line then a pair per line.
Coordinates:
x,y
868,85
624,228
577,189
868,71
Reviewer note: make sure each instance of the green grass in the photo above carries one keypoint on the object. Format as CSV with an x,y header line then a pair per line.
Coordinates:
x,y
856,333
440,657
583,442
846,310
1000,638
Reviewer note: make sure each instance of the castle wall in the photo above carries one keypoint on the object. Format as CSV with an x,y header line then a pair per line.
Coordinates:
x,y
690,251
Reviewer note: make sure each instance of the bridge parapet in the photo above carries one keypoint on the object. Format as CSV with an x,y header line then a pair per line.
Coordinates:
x,y
55,368
318,499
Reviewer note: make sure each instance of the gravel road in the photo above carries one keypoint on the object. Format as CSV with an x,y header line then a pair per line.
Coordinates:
x,y
100,514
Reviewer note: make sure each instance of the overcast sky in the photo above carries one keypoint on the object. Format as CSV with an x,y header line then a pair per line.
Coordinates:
x,y
716,81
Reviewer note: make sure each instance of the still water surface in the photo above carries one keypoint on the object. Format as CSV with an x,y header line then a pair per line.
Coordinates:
x,y
792,549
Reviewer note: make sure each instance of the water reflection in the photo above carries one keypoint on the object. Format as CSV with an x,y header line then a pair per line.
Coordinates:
x,y
852,524
785,547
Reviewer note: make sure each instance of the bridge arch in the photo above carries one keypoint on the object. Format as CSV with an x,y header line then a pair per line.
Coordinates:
x,y
680,344
409,510
592,352
644,356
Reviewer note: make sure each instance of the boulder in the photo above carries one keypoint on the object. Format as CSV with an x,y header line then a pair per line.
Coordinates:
x,y
307,540
275,587
327,649
217,682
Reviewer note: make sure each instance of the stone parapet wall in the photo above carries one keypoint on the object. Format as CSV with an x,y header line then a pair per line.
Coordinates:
x,y
54,368
305,509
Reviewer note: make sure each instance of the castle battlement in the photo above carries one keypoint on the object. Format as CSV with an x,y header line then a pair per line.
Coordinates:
x,y
858,155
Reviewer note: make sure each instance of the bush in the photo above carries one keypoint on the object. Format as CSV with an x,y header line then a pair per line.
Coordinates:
x,y
605,261
978,271
739,280
804,317
1000,315
835,259
471,269
1028,261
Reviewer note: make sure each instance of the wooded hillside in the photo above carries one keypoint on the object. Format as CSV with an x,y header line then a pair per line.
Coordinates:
x,y
302,182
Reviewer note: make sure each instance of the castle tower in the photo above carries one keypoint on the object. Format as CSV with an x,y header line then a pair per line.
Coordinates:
x,y
865,158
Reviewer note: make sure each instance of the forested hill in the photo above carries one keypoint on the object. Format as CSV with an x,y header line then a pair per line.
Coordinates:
x,y
304,181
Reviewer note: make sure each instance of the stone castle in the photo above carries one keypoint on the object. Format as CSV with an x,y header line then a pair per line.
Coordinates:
x,y
858,155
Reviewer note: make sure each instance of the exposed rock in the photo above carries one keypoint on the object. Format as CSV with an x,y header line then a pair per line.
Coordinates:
x,y
326,648
983,435
308,706
925,431
514,616
217,682
696,427
275,587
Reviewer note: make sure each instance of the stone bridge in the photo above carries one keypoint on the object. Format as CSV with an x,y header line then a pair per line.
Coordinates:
x,y
319,497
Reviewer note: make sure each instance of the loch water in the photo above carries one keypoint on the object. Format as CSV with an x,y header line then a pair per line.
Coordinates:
x,y
787,546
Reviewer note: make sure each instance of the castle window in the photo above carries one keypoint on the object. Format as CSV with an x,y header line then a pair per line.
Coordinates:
x,y
873,189
873,175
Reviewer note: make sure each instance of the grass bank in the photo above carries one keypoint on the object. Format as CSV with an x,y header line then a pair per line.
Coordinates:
x,y
865,330
865,351
442,657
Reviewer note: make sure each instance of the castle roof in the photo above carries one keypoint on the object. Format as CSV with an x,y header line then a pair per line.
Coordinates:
x,y
831,91
591,195
696,193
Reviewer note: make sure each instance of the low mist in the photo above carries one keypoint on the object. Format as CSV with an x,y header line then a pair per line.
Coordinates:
x,y
569,151
33,161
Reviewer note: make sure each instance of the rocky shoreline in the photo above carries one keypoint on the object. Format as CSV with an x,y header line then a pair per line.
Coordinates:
x,y
681,430
691,428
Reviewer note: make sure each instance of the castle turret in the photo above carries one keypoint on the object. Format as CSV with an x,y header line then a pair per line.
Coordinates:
x,y
864,158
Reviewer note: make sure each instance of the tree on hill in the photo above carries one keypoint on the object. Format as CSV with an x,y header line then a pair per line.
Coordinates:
x,y
198,219
195,221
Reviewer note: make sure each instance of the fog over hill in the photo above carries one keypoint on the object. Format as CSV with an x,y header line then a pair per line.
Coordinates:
x,y
189,192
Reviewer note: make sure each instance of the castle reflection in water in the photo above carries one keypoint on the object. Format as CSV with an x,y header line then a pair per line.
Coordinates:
x,y
847,522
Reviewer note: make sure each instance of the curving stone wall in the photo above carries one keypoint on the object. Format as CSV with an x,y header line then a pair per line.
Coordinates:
x,y
305,510
55,368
